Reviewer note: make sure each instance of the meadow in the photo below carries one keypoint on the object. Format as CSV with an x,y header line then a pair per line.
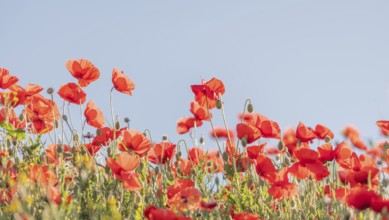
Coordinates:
x,y
51,168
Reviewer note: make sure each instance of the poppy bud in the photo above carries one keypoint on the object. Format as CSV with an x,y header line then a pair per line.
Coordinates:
x,y
225,156
201,140
50,91
209,163
286,161
277,158
244,141
117,125
59,149
65,117
386,145
164,138
21,117
280,146
327,139
141,165
156,170
250,108
219,104
126,120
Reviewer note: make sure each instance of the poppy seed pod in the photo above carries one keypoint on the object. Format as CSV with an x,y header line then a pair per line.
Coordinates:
x,y
250,108
50,91
126,120
327,139
164,138
219,104
280,146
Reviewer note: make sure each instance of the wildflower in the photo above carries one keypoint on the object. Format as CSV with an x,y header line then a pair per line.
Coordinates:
x,y
121,82
94,116
208,92
83,70
7,80
72,93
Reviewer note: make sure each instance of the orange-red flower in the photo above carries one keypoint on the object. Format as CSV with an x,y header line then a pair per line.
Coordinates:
x,y
326,153
251,133
42,175
24,95
161,153
304,133
83,70
121,82
94,116
154,213
7,80
322,132
72,93
200,112
134,141
308,165
208,92
185,124
360,198
222,133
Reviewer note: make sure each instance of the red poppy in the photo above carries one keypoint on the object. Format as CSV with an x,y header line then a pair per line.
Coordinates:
x,y
154,213
343,154
52,155
7,80
185,124
8,115
360,198
92,148
24,95
134,141
222,133
94,116
121,82
105,135
196,155
245,216
72,93
322,132
214,162
208,92
39,126
308,165
255,150
290,140
200,112
161,153
187,199
42,175
124,163
42,109
326,153
268,128
83,70
251,133
304,133
283,190
265,168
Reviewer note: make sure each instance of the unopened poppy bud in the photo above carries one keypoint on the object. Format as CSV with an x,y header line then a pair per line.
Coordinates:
x,y
277,158
156,170
164,138
201,140
117,125
327,139
67,154
225,156
244,141
141,165
209,163
179,153
386,145
59,149
21,117
126,120
50,91
280,146
250,108
65,117
286,161
219,104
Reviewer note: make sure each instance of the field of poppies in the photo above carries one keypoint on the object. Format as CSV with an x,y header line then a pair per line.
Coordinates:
x,y
50,168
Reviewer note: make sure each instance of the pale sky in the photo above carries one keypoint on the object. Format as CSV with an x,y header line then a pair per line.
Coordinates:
x,y
311,61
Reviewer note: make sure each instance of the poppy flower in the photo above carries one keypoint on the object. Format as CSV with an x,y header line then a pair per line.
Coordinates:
x,y
322,132
94,116
222,133
7,80
72,93
83,70
251,133
124,163
121,82
255,150
245,216
187,199
52,152
343,153
265,168
290,140
185,124
134,141
39,126
200,112
268,128
283,190
105,135
360,198
214,162
8,115
196,155
154,213
208,92
40,108
24,95
92,148
326,153
161,153
304,133
308,165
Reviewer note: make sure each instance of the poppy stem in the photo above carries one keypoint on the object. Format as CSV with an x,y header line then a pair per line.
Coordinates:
x,y
241,120
111,107
212,127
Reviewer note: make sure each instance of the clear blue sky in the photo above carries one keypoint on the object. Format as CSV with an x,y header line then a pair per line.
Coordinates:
x,y
311,61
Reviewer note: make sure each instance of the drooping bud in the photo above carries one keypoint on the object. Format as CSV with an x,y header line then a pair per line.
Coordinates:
x,y
219,104
250,108
244,141
50,91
